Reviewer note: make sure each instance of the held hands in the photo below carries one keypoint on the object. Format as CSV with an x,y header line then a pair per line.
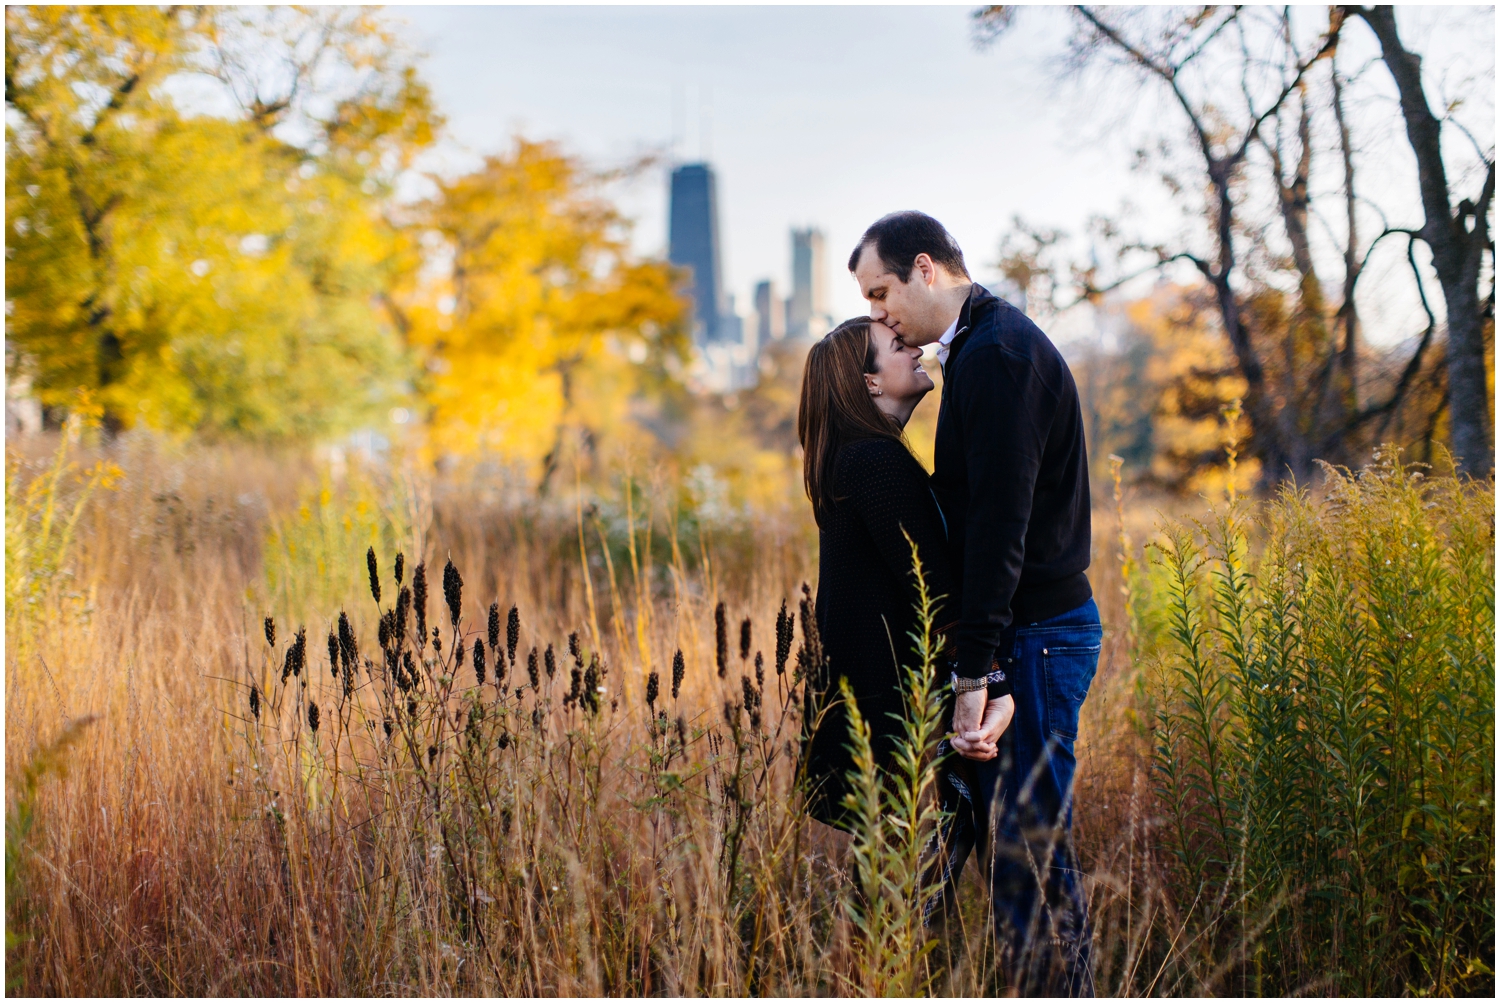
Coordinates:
x,y
978,723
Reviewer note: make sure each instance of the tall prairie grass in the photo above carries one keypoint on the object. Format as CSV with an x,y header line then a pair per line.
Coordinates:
x,y
1285,773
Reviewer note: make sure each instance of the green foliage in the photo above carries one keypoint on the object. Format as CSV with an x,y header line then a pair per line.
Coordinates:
x,y
206,272
895,816
41,516
1324,741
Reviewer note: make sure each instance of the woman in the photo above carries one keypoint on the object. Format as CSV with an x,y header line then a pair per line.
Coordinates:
x,y
859,388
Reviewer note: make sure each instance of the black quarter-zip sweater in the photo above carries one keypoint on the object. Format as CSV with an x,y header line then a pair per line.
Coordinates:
x,y
1011,473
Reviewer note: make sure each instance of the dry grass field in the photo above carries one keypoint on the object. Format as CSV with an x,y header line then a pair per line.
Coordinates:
x,y
231,770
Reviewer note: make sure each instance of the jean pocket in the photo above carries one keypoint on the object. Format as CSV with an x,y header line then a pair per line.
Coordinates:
x,y
1069,669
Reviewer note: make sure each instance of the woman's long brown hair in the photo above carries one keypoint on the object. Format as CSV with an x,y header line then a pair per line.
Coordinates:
x,y
836,407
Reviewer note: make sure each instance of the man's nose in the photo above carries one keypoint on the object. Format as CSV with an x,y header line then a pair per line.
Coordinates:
x,y
877,312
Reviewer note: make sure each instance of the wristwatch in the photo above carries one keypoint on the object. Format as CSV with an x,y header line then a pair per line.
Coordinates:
x,y
995,682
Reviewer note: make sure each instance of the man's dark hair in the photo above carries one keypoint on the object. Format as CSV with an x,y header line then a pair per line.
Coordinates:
x,y
901,236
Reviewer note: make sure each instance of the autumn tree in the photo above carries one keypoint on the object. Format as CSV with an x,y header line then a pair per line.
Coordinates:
x,y
1458,235
193,212
1256,94
534,324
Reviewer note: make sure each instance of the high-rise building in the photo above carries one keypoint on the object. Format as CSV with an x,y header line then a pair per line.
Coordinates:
x,y
770,314
693,235
807,307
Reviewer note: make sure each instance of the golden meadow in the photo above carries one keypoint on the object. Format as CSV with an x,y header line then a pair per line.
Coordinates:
x,y
587,784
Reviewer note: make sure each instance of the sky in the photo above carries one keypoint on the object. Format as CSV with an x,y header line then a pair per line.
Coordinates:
x,y
804,114
833,116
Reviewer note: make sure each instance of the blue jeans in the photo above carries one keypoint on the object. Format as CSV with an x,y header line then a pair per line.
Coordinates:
x,y
1018,809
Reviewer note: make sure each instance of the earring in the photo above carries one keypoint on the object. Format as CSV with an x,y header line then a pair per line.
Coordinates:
x,y
878,391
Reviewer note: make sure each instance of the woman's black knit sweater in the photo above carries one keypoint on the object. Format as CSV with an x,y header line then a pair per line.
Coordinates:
x,y
866,601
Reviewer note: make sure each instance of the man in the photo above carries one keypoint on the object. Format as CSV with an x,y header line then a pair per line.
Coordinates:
x,y
1011,475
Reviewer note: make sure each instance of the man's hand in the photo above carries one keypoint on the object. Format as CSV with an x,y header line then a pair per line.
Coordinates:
x,y
979,741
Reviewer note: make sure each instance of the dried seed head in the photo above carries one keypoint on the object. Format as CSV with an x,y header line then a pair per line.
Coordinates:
x,y
512,633
679,669
384,633
760,672
785,630
403,610
271,631
503,742
411,707
312,716
419,602
348,648
298,652
400,567
532,672
577,684
479,660
408,677
590,695
374,573
333,654
745,639
453,592
721,640
653,687
550,660
494,627
437,639
431,754
389,727
458,655
681,731
573,647
255,702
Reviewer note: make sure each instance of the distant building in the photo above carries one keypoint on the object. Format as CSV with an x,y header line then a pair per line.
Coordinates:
x,y
693,234
770,313
807,312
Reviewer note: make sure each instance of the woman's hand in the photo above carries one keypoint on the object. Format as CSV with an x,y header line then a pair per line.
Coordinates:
x,y
978,724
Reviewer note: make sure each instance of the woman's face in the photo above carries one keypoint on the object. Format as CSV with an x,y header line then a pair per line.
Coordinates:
x,y
899,381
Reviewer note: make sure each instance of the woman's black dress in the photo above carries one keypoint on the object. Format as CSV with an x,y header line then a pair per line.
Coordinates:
x,y
866,602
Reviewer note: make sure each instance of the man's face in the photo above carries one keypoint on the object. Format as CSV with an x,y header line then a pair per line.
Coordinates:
x,y
909,308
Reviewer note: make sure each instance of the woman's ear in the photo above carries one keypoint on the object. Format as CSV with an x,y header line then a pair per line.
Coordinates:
x,y
872,386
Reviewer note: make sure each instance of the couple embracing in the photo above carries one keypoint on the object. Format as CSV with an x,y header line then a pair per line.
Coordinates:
x,y
1002,529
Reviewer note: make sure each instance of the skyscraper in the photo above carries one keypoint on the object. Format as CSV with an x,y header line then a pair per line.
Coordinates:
x,y
807,308
770,315
694,243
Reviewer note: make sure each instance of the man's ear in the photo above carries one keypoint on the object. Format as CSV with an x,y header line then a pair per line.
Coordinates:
x,y
925,268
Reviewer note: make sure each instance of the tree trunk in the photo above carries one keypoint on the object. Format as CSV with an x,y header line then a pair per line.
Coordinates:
x,y
1457,251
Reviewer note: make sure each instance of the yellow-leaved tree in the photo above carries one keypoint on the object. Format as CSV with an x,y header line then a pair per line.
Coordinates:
x,y
535,323
194,197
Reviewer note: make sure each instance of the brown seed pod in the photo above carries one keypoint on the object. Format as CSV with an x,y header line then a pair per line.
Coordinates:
x,y
400,567
419,602
333,654
312,716
531,669
550,661
721,640
679,669
512,634
271,631
745,639
348,648
255,702
785,623
374,573
479,660
453,592
494,627
653,688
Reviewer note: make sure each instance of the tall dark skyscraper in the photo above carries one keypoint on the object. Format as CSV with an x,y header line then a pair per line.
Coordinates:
x,y
694,243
